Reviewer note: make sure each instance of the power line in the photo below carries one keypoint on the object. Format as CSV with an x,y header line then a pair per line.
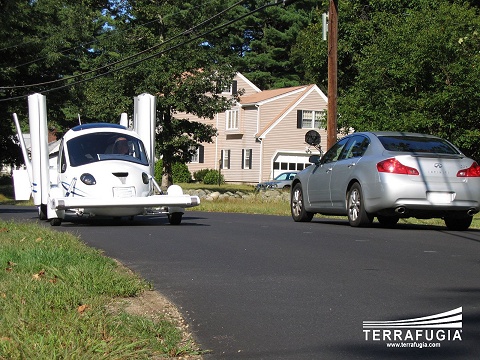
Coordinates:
x,y
186,32
189,31
66,50
87,43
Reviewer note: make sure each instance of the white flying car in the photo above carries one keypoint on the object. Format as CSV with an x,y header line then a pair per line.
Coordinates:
x,y
103,169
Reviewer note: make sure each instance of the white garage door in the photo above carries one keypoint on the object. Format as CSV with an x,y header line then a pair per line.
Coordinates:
x,y
289,162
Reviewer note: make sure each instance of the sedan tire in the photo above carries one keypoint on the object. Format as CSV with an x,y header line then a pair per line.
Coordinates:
x,y
297,206
458,223
388,221
357,216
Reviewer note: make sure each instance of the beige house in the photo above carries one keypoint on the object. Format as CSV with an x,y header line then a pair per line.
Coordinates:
x,y
263,134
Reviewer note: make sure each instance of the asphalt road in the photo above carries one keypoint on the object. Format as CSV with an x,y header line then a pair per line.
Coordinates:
x,y
265,287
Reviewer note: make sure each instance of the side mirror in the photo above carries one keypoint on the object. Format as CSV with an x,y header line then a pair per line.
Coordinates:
x,y
314,159
312,138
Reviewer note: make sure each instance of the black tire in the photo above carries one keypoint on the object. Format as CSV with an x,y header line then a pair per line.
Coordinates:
x,y
42,212
388,221
458,223
175,218
357,216
297,206
56,222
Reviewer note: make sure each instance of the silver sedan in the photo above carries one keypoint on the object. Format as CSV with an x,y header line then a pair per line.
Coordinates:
x,y
282,181
389,175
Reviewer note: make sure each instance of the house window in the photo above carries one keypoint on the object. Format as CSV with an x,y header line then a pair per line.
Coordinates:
x,y
231,117
232,89
246,158
225,159
311,119
198,156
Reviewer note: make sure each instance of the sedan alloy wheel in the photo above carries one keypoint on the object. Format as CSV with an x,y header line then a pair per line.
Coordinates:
x,y
297,206
357,216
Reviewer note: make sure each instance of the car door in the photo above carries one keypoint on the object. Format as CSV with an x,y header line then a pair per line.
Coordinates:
x,y
344,169
318,188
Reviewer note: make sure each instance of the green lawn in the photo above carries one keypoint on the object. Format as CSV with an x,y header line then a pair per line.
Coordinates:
x,y
60,299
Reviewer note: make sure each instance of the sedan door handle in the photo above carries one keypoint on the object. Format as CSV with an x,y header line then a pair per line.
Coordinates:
x,y
352,165
328,170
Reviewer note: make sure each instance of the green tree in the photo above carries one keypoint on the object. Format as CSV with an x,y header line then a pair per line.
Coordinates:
x,y
267,40
358,26
42,43
421,75
410,66
183,69
91,58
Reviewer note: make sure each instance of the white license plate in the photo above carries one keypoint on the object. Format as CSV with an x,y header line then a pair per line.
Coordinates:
x,y
124,192
440,197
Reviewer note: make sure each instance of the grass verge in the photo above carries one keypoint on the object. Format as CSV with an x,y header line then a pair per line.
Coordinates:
x,y
62,299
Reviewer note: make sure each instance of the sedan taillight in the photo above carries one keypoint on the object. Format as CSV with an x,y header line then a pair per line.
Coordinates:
x,y
394,166
472,171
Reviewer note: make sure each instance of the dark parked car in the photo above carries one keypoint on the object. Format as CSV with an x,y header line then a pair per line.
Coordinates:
x,y
282,181
389,175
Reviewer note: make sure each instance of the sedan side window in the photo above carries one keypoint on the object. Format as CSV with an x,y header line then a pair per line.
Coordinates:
x,y
356,147
334,152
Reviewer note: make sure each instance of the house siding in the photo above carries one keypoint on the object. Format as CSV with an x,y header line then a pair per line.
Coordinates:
x,y
268,127
233,140
285,138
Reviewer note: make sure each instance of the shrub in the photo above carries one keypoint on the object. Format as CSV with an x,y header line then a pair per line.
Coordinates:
x,y
158,171
200,174
6,180
180,172
212,177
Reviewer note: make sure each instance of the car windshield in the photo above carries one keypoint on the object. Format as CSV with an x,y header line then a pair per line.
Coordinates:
x,y
105,146
416,144
284,176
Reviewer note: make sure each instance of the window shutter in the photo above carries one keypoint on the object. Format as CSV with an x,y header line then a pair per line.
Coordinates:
x,y
221,159
299,119
234,87
250,158
228,164
243,158
201,154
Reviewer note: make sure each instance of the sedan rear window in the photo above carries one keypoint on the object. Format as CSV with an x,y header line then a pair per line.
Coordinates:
x,y
415,144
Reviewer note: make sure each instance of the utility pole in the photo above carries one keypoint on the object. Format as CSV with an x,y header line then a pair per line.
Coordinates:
x,y
332,73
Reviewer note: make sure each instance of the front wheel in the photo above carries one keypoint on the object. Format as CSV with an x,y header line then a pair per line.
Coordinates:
x,y
297,205
357,216
458,223
175,218
56,222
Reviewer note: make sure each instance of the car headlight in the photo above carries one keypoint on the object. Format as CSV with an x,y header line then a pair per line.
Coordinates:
x,y
88,179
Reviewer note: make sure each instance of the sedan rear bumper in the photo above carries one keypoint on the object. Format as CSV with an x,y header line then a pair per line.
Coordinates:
x,y
388,196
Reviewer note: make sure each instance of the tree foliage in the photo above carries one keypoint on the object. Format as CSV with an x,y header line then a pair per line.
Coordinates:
x,y
266,40
92,57
183,70
41,43
408,66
